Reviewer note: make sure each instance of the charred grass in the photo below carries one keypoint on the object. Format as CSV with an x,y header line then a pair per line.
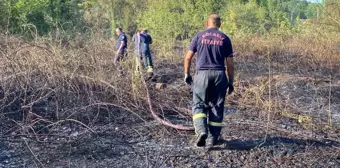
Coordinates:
x,y
68,106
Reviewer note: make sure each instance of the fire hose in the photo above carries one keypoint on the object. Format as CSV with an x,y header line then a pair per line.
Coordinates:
x,y
157,118
154,115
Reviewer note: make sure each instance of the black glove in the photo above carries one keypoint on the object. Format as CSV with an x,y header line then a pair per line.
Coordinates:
x,y
188,79
230,88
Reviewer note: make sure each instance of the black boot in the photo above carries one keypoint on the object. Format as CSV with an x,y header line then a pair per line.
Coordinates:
x,y
149,76
200,142
212,141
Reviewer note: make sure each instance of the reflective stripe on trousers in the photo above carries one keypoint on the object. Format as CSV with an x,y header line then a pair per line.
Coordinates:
x,y
216,124
199,115
200,123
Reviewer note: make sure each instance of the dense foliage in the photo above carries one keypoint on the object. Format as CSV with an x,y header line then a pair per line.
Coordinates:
x,y
167,19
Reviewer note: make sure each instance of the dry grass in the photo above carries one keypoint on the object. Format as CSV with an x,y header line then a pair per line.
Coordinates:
x,y
46,83
294,77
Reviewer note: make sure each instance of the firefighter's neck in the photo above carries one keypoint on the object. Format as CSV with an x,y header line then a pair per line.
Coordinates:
x,y
212,27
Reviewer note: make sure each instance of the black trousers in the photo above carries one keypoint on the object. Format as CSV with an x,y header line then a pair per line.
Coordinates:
x,y
209,92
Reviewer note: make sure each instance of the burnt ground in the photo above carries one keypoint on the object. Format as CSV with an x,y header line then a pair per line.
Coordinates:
x,y
287,127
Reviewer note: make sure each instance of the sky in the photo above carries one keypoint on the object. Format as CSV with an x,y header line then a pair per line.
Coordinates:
x,y
315,1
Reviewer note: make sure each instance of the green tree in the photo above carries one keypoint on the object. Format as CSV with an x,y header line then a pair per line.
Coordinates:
x,y
177,19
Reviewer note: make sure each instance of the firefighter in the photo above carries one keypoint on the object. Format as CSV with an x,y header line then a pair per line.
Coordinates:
x,y
213,49
146,40
142,50
121,46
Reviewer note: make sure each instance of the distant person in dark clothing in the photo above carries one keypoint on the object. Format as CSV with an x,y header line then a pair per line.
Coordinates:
x,y
142,44
213,48
120,46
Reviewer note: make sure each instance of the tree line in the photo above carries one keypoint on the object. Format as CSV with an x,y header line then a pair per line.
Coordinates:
x,y
166,19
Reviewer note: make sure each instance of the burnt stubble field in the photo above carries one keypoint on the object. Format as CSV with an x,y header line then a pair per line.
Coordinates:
x,y
70,107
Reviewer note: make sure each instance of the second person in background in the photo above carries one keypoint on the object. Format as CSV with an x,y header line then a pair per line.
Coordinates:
x,y
143,40
120,46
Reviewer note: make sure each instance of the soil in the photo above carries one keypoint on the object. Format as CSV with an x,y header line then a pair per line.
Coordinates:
x,y
117,138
